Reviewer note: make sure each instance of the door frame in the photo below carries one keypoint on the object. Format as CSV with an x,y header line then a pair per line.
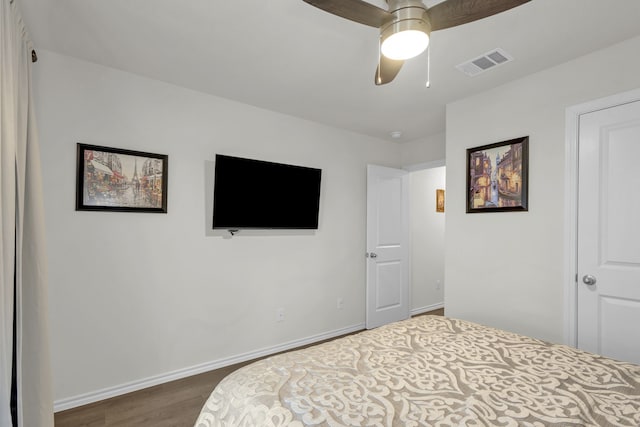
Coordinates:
x,y
416,167
572,138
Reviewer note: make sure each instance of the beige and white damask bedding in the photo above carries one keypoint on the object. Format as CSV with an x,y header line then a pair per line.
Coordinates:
x,y
429,371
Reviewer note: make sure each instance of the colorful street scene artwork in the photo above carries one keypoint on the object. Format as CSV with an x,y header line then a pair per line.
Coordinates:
x,y
120,180
497,176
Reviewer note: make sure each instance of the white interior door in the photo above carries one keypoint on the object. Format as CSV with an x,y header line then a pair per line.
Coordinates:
x,y
608,305
387,245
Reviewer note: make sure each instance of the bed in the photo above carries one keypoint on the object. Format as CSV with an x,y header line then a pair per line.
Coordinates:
x,y
429,371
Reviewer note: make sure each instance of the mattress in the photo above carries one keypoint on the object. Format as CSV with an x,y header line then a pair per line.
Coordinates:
x,y
429,371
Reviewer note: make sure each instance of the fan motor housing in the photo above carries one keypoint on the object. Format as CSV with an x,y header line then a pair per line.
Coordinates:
x,y
407,15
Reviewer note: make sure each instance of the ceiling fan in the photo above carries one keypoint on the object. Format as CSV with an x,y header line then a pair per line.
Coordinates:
x,y
406,26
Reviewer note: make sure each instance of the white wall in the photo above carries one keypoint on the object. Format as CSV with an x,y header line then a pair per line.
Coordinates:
x,y
506,269
135,296
423,150
427,240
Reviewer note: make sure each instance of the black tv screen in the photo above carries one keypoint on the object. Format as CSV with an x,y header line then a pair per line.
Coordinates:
x,y
264,195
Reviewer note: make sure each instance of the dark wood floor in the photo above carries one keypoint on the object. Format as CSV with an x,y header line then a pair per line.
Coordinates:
x,y
173,404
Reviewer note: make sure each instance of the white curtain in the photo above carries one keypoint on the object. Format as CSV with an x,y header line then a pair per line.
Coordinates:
x,y
22,253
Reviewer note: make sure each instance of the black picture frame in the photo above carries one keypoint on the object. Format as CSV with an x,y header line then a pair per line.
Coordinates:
x,y
120,180
498,177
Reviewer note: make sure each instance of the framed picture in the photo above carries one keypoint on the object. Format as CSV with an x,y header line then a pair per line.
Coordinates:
x,y
498,176
439,200
113,179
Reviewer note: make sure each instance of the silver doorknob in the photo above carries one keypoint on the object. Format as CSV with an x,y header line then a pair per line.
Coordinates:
x,y
589,280
372,255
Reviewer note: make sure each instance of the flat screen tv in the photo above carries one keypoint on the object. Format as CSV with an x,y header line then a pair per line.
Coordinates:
x,y
254,194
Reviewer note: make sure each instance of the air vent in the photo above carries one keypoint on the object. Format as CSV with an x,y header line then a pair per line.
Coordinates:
x,y
485,62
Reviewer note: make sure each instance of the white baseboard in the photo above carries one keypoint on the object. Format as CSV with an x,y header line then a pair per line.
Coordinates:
x,y
427,308
109,392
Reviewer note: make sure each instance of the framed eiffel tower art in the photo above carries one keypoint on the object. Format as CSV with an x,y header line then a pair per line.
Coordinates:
x,y
114,179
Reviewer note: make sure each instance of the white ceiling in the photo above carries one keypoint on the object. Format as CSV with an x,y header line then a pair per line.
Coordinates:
x,y
287,56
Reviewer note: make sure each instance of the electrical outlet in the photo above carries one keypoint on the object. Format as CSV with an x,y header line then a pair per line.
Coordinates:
x,y
340,303
280,314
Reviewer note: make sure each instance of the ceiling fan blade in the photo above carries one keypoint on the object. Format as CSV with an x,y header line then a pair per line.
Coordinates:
x,y
354,10
387,70
451,13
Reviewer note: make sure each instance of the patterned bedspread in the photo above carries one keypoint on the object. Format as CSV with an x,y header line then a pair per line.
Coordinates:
x,y
429,371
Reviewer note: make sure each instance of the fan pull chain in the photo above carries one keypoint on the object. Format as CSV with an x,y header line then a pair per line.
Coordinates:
x,y
378,78
428,85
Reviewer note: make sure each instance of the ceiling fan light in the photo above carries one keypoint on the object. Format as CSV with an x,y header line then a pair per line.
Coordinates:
x,y
405,44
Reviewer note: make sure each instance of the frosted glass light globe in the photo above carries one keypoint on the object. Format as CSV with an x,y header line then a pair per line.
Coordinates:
x,y
405,44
